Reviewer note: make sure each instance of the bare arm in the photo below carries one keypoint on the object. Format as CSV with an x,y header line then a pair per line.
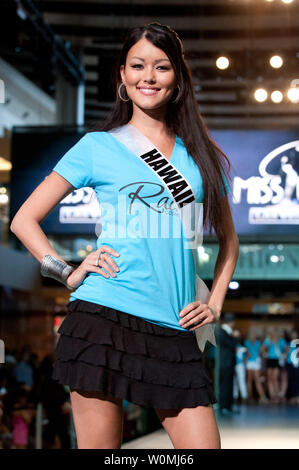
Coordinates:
x,y
26,226
196,314
226,260
26,222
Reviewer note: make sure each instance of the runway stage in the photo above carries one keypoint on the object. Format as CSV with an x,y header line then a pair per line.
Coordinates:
x,y
256,427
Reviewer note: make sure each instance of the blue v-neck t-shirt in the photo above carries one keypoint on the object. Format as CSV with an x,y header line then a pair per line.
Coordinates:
x,y
139,220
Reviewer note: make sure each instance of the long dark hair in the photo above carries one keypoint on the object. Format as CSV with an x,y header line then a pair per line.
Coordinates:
x,y
182,118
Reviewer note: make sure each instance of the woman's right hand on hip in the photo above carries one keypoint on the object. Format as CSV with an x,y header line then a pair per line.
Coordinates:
x,y
100,257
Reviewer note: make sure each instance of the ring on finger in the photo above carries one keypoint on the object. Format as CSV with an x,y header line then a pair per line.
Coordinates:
x,y
98,257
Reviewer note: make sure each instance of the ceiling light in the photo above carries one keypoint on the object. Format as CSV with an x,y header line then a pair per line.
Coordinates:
x,y
276,96
5,165
222,63
293,94
260,95
276,61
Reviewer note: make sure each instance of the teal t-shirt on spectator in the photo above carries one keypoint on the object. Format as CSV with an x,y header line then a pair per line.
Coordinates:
x,y
253,349
275,349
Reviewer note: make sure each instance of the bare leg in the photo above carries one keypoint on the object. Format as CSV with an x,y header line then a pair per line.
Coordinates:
x,y
98,420
276,383
191,428
270,384
259,387
283,385
249,384
272,374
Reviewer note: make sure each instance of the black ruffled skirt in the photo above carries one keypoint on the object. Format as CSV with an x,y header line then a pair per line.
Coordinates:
x,y
124,356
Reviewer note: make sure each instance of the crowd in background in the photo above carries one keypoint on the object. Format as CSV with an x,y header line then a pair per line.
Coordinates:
x,y
260,366
270,363
255,367
26,385
26,382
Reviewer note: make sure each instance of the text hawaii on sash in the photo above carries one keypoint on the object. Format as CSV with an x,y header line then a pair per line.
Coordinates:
x,y
175,182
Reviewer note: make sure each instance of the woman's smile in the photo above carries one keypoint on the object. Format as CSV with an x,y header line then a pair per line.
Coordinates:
x,y
148,91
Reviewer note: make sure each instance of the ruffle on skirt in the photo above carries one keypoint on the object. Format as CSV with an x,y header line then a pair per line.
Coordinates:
x,y
119,354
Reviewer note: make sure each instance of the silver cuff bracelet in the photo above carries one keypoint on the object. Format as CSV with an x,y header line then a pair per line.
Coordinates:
x,y
56,269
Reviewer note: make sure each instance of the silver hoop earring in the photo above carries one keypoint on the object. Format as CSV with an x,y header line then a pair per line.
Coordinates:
x,y
176,99
119,92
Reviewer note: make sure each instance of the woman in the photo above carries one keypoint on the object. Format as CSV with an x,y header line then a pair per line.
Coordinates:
x,y
131,336
283,376
274,349
254,367
240,387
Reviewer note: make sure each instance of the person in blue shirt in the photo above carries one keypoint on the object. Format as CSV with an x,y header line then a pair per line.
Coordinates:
x,y
23,371
274,349
254,366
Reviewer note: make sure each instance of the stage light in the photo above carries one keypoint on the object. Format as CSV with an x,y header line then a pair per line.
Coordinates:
x,y
5,165
276,61
20,11
234,285
293,94
276,96
222,62
260,95
287,1
3,199
205,257
81,253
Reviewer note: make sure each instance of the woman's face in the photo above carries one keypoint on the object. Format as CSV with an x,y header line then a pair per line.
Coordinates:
x,y
148,66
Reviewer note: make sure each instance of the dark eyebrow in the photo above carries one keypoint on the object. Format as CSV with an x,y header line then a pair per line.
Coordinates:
x,y
158,60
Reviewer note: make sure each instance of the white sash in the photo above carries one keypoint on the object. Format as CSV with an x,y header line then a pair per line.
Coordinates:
x,y
183,196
